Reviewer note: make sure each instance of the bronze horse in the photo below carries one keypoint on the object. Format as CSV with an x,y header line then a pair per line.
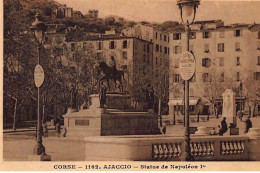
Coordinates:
x,y
111,73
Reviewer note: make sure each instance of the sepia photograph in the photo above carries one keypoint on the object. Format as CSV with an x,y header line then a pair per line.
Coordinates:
x,y
165,84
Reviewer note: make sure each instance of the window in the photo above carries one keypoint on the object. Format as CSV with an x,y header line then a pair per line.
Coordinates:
x,y
177,50
206,48
176,78
84,45
99,45
222,34
156,35
160,61
258,60
165,50
156,60
221,47
193,79
205,77
157,48
238,61
238,76
160,36
176,63
206,34
148,48
72,47
206,62
237,46
160,48
124,54
177,36
168,51
257,75
222,77
221,61
165,38
168,39
148,59
112,45
258,35
192,35
237,33
125,44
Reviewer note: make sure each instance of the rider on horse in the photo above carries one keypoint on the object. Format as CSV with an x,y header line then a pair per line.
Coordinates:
x,y
112,63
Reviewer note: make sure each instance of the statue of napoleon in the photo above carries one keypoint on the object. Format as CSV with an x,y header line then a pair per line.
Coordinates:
x,y
110,72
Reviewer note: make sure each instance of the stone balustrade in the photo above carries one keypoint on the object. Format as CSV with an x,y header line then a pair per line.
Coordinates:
x,y
167,148
209,148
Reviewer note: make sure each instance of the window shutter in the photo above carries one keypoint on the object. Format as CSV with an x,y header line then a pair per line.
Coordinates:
x,y
115,43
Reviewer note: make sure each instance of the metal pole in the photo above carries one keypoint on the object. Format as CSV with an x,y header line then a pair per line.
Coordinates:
x,y
187,151
39,147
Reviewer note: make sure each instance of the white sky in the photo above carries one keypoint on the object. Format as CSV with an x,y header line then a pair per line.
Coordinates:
x,y
166,10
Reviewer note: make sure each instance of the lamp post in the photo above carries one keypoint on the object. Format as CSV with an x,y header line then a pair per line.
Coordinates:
x,y
38,27
188,13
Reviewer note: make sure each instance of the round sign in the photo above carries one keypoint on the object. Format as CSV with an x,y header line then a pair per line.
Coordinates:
x,y
187,65
38,75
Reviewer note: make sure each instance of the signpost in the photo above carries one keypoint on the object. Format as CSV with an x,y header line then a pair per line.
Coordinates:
x,y
187,65
38,75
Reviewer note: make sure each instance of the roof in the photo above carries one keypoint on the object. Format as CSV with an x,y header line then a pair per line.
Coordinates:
x,y
207,21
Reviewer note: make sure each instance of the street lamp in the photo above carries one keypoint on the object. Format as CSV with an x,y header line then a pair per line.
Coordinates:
x,y
38,28
188,13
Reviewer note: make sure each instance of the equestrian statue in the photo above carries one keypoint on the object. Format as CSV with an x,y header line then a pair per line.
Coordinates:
x,y
110,72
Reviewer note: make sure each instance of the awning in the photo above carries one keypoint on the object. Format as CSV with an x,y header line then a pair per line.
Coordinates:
x,y
192,101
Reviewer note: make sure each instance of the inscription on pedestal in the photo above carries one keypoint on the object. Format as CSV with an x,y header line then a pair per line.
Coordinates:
x,y
81,122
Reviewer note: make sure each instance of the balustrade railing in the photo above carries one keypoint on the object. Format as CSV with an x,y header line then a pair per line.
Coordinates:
x,y
209,148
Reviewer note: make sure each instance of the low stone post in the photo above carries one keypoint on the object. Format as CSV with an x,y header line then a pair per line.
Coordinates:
x,y
253,144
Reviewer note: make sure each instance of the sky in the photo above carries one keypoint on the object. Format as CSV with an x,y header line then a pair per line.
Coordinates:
x,y
166,10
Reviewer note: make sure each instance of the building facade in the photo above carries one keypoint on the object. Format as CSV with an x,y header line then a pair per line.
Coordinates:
x,y
225,55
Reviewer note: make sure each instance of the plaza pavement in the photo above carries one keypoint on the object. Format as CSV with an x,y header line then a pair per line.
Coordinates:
x,y
19,145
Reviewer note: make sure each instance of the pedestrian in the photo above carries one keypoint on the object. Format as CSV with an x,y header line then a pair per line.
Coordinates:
x,y
45,130
224,127
248,124
58,128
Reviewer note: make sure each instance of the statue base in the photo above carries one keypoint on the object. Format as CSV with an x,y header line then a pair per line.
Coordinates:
x,y
115,119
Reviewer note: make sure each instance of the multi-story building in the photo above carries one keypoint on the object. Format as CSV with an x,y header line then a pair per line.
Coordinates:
x,y
132,55
226,53
160,58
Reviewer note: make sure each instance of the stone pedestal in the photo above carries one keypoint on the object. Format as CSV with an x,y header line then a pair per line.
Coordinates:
x,y
202,131
39,158
114,119
254,143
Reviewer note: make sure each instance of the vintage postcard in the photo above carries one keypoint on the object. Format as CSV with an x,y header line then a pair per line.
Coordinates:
x,y
133,85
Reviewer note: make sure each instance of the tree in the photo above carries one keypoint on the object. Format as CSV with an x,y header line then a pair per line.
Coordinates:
x,y
251,91
19,53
